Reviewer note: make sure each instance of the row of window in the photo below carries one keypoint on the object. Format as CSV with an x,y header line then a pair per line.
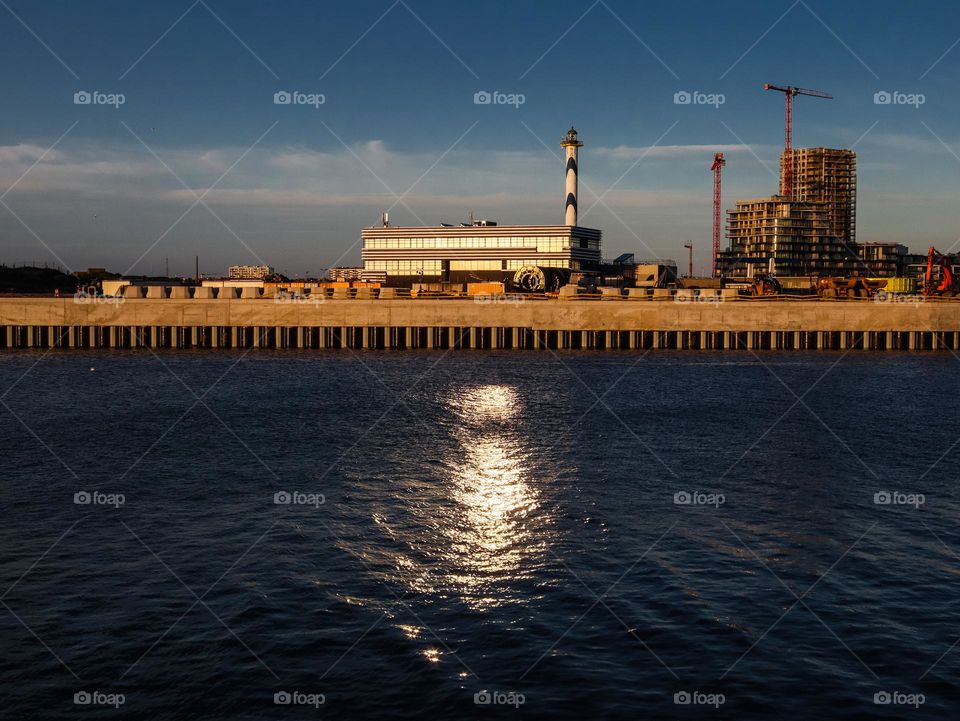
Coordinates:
x,y
403,267
516,264
434,267
507,264
477,265
543,245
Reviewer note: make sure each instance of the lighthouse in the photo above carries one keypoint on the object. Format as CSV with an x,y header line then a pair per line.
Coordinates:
x,y
570,144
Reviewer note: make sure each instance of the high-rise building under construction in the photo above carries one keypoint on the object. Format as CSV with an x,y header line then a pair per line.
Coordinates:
x,y
812,232
830,176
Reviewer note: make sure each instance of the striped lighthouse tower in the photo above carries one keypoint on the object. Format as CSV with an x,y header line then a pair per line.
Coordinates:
x,y
571,145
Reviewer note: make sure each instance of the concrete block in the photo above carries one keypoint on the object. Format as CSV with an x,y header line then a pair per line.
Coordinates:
x,y
250,292
132,291
567,292
638,293
662,294
729,294
366,293
342,293
179,291
610,293
226,293
157,291
203,293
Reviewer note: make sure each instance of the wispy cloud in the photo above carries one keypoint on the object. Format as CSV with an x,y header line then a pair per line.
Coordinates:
x,y
626,152
311,177
907,142
101,204
104,203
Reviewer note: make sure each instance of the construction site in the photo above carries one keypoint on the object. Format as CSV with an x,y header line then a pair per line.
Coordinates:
x,y
803,239
793,276
809,231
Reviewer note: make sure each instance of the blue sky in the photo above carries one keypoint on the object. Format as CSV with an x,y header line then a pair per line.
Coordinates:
x,y
399,127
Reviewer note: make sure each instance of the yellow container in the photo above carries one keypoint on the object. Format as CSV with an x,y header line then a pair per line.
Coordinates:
x,y
901,285
489,288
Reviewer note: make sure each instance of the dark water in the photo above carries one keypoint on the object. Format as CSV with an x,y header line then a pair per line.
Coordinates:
x,y
488,526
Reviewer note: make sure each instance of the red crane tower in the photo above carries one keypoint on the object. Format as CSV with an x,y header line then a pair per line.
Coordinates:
x,y
789,93
718,163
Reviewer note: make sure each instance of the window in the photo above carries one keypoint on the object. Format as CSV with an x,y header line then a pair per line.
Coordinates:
x,y
476,265
552,245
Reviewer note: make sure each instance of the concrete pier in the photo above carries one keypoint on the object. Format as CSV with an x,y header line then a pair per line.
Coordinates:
x,y
460,323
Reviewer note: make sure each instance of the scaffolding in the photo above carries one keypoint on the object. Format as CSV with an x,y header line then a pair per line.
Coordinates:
x,y
827,175
812,232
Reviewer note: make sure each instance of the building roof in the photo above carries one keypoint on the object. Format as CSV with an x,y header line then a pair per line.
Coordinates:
x,y
482,230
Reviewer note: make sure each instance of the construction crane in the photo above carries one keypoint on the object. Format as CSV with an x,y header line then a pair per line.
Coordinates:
x,y
789,93
948,282
718,163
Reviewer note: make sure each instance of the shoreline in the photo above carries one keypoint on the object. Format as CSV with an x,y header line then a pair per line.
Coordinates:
x,y
488,322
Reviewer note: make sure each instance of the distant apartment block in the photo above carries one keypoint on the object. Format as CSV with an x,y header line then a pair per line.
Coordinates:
x,y
883,260
249,272
356,274
788,237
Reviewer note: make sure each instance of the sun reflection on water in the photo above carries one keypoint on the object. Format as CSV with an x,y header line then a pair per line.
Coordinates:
x,y
468,524
495,532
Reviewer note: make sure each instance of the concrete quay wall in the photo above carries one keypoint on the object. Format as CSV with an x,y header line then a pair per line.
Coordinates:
x,y
485,323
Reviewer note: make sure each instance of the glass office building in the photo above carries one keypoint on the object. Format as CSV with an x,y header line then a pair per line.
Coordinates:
x,y
482,251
